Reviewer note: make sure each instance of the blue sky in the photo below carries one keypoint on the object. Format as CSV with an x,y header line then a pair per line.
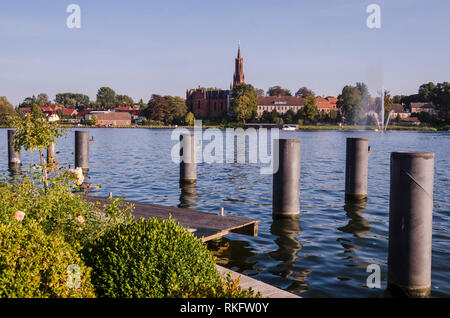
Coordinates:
x,y
141,48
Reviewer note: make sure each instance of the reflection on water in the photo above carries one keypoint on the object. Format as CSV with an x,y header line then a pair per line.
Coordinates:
x,y
287,233
357,224
235,255
188,196
14,171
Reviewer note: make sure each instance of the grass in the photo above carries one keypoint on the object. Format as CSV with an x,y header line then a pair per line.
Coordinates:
x,y
347,127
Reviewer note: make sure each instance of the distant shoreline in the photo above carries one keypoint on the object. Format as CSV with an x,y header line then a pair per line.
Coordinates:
x,y
300,128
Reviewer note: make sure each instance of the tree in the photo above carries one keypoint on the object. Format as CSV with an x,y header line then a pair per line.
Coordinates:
x,y
350,103
42,99
189,119
158,109
441,98
311,113
266,117
427,91
178,107
36,111
72,99
141,104
365,95
398,99
124,100
259,92
387,104
243,109
274,118
106,97
277,90
333,114
6,110
94,120
28,101
304,91
289,117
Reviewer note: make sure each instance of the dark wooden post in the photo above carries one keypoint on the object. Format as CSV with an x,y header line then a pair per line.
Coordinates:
x,y
356,169
286,180
410,223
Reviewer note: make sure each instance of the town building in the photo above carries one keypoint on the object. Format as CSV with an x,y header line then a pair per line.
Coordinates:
x,y
281,104
110,119
214,103
326,105
422,107
399,110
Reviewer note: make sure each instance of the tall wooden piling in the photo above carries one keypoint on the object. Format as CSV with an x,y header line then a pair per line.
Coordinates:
x,y
14,158
286,180
188,164
356,169
410,223
82,149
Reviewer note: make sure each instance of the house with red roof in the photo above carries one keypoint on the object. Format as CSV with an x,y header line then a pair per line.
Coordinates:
x,y
325,105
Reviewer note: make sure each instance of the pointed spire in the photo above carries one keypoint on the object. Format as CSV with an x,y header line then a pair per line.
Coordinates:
x,y
239,49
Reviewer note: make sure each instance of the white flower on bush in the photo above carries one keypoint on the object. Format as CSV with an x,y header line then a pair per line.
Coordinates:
x,y
78,172
19,215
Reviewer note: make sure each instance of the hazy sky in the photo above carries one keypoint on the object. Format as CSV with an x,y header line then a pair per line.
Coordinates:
x,y
141,48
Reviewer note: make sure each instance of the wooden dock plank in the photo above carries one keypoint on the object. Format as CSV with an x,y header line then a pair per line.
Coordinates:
x,y
265,289
203,224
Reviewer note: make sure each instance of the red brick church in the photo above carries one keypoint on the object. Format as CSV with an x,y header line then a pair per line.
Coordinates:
x,y
214,103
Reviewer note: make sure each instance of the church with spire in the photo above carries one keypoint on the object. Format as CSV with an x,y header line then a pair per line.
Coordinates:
x,y
238,77
213,102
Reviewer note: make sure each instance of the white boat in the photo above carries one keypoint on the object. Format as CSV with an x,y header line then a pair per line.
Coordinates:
x,y
286,127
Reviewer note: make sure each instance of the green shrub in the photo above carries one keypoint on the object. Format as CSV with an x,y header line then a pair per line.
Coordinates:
x,y
149,258
56,208
226,288
33,264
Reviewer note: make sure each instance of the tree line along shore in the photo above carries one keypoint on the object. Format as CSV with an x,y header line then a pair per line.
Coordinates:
x,y
354,108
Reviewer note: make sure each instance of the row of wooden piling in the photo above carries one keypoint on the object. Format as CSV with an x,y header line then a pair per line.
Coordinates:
x,y
410,206
81,150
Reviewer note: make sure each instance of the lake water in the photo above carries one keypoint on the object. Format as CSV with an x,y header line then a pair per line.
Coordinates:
x,y
325,252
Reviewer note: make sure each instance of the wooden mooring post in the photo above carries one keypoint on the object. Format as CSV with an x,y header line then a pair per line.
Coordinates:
x,y
356,169
82,149
286,180
410,223
188,164
14,158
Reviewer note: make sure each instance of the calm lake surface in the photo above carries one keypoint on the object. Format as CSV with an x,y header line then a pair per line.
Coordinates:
x,y
322,254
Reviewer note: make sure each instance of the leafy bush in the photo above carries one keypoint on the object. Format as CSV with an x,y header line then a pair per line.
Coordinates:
x,y
33,264
226,288
56,208
149,258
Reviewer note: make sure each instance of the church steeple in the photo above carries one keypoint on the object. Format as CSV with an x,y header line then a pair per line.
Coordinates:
x,y
238,77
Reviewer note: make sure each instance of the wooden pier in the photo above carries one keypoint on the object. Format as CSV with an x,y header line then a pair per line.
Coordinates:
x,y
204,225
266,290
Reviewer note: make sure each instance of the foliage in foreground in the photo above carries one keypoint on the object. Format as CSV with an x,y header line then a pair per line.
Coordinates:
x,y
155,258
56,208
34,264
